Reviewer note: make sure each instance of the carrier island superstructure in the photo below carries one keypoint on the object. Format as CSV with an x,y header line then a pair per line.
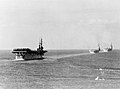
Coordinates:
x,y
28,54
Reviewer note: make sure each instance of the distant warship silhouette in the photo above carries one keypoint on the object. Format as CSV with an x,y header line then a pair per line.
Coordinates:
x,y
28,54
108,49
95,50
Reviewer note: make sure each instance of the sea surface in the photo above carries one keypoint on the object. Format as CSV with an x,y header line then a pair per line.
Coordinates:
x,y
61,69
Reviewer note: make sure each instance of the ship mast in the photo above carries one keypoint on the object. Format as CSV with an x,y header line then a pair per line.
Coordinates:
x,y
40,45
98,47
111,46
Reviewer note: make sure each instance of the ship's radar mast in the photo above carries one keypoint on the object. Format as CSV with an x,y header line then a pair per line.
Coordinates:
x,y
40,45
98,47
111,46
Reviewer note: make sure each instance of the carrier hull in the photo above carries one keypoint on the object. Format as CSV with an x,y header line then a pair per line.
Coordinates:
x,y
28,54
32,55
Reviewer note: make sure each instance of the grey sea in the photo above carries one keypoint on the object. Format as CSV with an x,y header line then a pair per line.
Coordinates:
x,y
61,69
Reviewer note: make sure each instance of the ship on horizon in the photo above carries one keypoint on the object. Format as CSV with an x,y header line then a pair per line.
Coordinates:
x,y
95,50
28,54
99,50
108,49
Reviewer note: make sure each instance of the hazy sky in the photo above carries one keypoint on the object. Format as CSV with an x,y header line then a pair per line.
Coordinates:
x,y
63,24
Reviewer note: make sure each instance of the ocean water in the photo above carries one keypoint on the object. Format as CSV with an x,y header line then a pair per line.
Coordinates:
x,y
61,69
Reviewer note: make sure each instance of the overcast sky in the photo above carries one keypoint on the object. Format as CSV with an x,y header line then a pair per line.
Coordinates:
x,y
63,24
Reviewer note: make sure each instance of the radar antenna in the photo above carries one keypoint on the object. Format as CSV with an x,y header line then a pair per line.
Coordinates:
x,y
98,47
111,46
41,46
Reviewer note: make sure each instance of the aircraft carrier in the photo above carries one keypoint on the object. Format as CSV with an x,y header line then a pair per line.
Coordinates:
x,y
28,54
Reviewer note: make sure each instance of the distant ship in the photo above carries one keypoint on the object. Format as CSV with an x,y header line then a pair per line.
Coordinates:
x,y
95,50
108,49
28,54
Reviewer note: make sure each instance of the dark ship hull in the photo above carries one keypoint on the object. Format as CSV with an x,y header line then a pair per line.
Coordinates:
x,y
33,56
28,54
